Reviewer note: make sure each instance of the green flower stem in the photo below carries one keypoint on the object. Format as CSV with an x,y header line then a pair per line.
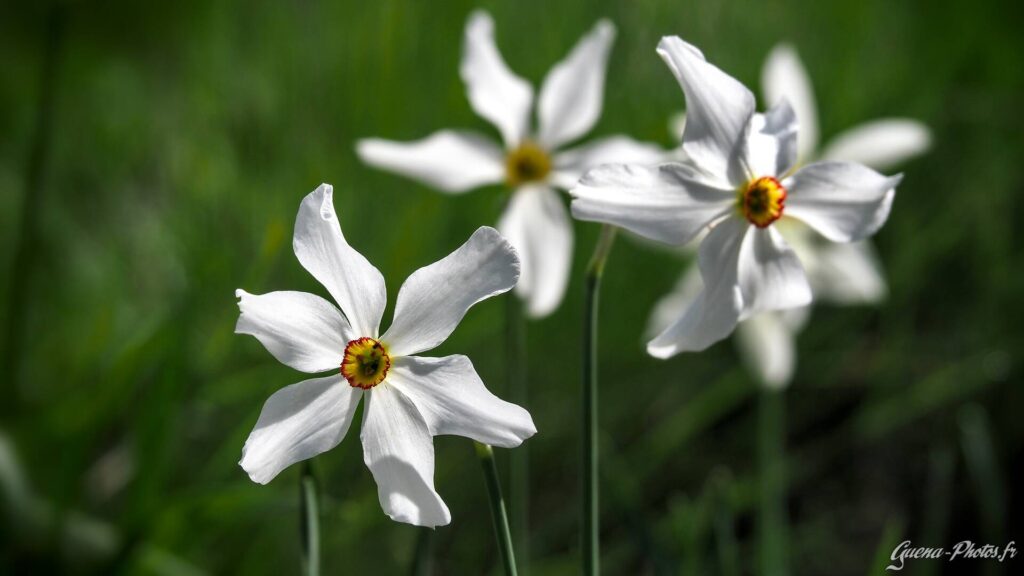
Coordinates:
x,y
771,452
309,517
498,514
590,545
519,459
423,560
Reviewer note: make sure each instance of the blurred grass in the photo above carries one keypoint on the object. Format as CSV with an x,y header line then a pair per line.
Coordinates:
x,y
183,136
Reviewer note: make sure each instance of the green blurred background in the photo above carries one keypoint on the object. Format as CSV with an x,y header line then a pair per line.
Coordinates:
x,y
152,158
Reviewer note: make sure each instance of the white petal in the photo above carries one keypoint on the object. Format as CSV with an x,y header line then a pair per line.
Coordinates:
x,y
673,305
536,223
841,200
495,93
321,248
784,78
301,330
398,450
668,203
449,160
770,274
768,348
847,274
573,92
718,111
771,144
881,144
571,164
434,298
714,312
453,400
297,423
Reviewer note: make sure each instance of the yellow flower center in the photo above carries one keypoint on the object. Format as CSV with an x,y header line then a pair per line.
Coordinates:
x,y
762,201
527,163
366,363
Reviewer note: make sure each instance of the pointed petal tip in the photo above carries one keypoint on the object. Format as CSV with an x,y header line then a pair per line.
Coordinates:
x,y
480,17
325,189
661,352
413,520
253,474
537,310
783,49
364,149
493,235
668,43
605,27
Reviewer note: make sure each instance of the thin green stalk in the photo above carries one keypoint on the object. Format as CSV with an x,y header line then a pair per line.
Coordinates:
x,y
519,459
309,518
771,452
498,514
590,545
423,560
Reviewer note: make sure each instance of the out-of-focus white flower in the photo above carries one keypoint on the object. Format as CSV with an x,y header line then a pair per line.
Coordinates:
x,y
838,273
409,399
530,162
738,180
845,274
880,144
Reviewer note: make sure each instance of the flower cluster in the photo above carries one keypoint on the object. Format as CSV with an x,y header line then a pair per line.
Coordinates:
x,y
738,181
776,224
838,273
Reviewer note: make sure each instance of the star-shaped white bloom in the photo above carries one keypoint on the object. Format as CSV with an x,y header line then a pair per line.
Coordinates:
x,y
844,274
737,182
535,220
409,399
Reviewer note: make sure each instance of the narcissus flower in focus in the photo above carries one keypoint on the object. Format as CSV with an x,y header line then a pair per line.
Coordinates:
x,y
531,163
843,274
409,399
737,182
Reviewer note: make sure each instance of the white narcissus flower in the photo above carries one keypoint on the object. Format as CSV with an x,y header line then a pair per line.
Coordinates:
x,y
845,274
737,181
409,399
839,273
535,220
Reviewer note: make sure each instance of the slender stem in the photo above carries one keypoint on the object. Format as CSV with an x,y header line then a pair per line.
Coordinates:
x,y
423,561
519,459
771,449
590,546
309,518
498,514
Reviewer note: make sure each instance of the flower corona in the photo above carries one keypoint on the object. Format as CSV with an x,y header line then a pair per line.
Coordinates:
x,y
366,363
762,201
527,163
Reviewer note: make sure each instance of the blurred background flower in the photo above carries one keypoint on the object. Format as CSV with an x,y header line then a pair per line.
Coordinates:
x,y
531,165
151,157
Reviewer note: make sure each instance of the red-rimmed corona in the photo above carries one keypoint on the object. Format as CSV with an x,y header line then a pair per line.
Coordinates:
x,y
366,363
762,201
